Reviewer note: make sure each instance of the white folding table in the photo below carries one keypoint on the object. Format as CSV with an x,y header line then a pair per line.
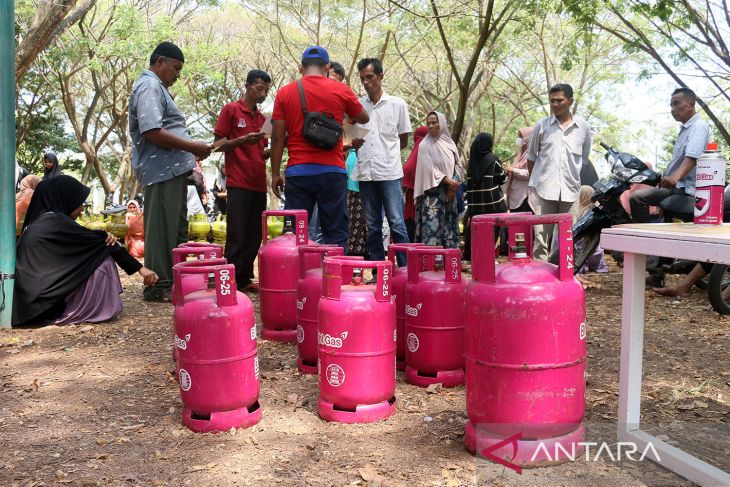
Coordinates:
x,y
704,243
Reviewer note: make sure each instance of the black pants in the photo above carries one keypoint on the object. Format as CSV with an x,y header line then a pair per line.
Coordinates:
x,y
503,244
411,228
243,238
641,200
466,254
329,192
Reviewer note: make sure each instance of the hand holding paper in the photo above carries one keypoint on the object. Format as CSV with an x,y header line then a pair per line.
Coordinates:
x,y
353,132
219,143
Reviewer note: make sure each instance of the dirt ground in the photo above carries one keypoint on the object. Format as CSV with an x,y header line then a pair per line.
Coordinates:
x,y
98,405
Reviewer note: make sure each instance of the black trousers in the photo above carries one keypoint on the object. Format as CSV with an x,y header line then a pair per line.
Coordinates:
x,y
243,236
503,244
329,192
411,228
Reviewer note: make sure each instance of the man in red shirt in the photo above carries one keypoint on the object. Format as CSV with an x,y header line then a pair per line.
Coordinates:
x,y
240,122
314,175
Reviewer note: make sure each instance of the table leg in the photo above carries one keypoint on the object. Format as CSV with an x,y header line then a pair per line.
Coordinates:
x,y
632,344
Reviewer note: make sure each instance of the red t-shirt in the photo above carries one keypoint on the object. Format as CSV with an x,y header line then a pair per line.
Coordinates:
x,y
322,95
245,165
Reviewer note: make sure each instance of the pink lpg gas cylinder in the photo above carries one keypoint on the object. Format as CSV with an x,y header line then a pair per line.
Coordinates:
x,y
278,276
398,285
525,347
356,343
195,282
309,290
215,337
434,324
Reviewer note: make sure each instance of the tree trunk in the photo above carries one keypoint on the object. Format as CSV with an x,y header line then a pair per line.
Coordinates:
x,y
50,21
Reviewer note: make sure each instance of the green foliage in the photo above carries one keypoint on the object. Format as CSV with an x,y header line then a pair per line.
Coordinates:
x,y
46,134
547,41
40,122
681,38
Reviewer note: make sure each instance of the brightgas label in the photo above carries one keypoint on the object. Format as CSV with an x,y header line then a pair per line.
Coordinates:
x,y
182,344
329,341
413,311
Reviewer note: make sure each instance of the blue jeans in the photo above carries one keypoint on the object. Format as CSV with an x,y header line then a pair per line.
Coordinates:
x,y
315,232
379,196
329,192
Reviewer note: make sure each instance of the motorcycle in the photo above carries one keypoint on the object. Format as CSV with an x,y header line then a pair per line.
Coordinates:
x,y
607,211
717,283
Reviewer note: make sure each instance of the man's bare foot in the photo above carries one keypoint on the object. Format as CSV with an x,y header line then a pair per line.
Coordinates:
x,y
672,291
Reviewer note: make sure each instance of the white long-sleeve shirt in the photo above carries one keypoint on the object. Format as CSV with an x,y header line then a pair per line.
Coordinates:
x,y
559,153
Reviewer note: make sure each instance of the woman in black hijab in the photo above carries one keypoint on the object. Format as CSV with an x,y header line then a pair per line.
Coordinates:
x,y
64,272
50,163
484,176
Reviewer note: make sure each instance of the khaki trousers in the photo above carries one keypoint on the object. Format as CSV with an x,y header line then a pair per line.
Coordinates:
x,y
544,233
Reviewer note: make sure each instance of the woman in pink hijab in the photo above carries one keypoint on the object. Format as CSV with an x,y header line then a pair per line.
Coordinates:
x,y
518,174
439,172
409,181
22,200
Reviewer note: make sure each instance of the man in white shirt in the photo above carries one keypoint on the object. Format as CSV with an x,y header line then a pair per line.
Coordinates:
x,y
560,144
379,169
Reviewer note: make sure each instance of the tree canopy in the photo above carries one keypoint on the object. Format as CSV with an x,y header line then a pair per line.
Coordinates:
x,y
487,64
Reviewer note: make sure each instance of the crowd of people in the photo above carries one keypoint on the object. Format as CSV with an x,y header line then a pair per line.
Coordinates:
x,y
359,185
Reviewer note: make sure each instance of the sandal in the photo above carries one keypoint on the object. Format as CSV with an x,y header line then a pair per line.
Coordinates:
x,y
159,297
250,288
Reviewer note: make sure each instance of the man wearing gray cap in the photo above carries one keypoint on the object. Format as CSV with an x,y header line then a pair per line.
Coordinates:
x,y
163,154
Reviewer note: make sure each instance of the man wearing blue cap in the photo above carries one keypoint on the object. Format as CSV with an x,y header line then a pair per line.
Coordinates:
x,y
163,154
314,175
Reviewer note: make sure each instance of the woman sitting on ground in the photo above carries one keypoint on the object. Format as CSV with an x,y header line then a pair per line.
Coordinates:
x,y
135,236
64,272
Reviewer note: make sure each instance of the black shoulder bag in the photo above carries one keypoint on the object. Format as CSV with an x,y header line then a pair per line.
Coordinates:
x,y
320,129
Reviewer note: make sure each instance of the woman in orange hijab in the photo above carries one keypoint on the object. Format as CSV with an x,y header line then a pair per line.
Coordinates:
x,y
22,200
135,237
